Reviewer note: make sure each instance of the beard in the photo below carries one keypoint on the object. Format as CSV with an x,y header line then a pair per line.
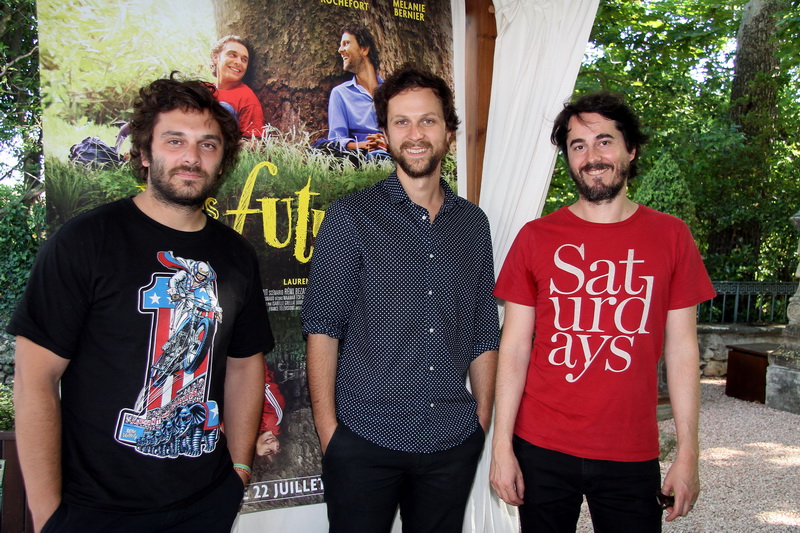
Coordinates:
x,y
418,167
599,192
353,64
175,191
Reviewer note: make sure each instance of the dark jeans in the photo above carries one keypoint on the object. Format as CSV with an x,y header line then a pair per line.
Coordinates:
x,y
621,495
365,483
212,513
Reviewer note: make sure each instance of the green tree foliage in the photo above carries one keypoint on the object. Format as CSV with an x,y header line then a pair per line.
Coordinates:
x,y
20,109
20,236
664,188
674,62
6,408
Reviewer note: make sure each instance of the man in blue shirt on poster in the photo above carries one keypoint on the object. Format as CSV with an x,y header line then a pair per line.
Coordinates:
x,y
352,124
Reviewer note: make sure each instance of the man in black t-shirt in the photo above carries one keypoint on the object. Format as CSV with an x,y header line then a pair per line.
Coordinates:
x,y
142,330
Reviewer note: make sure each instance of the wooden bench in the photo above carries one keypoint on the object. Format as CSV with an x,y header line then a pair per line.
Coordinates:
x,y
747,371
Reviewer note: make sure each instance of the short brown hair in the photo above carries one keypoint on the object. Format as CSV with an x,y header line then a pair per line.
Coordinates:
x,y
411,77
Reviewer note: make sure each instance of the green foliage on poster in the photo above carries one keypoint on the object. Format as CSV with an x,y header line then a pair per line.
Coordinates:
x,y
97,53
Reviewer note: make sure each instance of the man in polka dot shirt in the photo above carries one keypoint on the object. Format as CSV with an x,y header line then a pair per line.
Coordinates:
x,y
398,311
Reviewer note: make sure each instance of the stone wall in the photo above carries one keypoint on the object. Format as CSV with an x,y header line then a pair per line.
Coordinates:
x,y
714,339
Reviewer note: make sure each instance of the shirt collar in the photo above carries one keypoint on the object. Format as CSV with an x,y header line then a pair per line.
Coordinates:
x,y
398,194
352,83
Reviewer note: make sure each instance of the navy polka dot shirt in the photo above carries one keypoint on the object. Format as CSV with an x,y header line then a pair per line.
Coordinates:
x,y
411,303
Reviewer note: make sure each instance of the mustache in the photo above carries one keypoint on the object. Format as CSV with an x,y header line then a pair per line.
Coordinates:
x,y
596,166
415,144
186,168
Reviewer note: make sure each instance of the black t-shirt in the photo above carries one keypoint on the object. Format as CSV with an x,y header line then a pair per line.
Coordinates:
x,y
147,316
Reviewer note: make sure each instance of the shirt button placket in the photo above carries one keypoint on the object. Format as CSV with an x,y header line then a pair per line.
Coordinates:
x,y
430,313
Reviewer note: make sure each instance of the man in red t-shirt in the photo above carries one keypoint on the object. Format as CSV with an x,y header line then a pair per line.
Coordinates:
x,y
594,294
230,59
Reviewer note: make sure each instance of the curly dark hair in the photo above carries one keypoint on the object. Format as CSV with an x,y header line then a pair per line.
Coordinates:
x,y
168,94
611,106
411,77
364,39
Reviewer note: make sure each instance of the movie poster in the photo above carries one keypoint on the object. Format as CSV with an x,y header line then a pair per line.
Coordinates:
x,y
95,54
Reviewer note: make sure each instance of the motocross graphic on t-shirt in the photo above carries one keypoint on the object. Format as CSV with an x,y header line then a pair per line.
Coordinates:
x,y
173,415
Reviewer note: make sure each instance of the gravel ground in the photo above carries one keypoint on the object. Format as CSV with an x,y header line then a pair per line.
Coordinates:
x,y
749,468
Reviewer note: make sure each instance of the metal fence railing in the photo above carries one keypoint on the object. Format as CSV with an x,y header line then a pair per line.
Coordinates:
x,y
747,302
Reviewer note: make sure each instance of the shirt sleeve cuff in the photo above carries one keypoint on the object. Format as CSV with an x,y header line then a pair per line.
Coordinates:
x,y
325,328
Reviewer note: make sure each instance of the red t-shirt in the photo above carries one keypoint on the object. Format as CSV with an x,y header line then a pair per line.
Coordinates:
x,y
248,109
601,293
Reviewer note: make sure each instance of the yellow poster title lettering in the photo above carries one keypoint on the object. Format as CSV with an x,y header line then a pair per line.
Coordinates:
x,y
296,211
352,4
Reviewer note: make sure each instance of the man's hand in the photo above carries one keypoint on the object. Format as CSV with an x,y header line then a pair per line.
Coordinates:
x,y
376,141
243,476
682,480
322,354
325,435
506,476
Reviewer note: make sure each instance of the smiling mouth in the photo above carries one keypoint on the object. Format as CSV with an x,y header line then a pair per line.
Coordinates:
x,y
596,170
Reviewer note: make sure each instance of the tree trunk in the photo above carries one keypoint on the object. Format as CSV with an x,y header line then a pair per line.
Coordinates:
x,y
754,93
295,47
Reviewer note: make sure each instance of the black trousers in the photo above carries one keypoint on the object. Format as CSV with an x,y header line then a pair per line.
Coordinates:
x,y
365,483
212,513
621,495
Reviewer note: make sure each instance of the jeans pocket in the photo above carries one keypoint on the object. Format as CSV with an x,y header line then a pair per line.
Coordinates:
x,y
56,519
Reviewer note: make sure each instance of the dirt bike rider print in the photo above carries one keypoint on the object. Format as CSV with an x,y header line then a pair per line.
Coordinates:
x,y
191,289
185,313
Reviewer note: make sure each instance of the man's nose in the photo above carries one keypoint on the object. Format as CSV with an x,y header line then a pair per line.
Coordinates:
x,y
192,155
415,132
592,154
